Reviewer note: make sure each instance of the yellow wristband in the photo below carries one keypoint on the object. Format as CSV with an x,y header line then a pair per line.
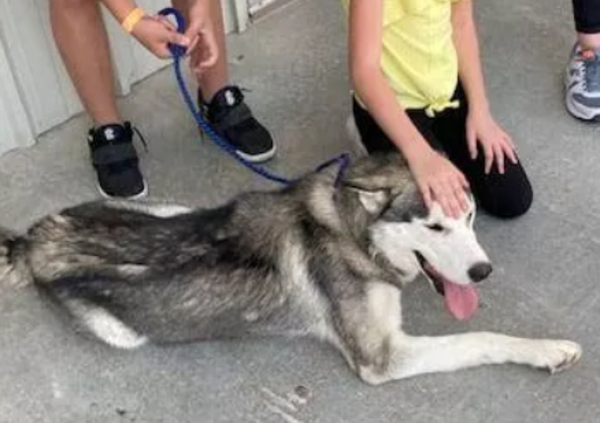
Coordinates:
x,y
132,19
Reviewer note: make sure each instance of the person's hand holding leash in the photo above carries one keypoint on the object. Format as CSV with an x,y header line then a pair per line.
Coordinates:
x,y
496,144
156,33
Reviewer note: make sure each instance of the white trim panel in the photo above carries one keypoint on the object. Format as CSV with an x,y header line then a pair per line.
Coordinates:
x,y
14,126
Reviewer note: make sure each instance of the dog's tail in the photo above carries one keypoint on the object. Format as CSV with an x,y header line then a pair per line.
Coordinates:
x,y
12,269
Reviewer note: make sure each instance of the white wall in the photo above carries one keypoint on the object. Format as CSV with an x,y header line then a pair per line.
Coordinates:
x,y
35,91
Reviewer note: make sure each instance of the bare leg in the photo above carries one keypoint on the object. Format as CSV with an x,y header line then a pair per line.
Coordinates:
x,y
217,76
82,41
586,14
589,41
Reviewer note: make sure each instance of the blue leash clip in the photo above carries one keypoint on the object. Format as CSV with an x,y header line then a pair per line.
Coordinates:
x,y
178,52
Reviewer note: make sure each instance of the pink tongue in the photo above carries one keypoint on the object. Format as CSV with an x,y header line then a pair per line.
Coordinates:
x,y
461,300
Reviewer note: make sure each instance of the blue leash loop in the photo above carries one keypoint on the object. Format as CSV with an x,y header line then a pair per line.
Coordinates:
x,y
178,52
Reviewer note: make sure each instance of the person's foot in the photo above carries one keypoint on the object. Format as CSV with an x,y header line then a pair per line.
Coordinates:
x,y
116,162
583,84
233,120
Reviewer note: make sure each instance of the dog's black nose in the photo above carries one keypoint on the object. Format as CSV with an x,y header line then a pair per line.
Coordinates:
x,y
480,271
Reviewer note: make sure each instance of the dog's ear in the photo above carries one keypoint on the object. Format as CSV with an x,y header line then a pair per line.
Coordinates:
x,y
374,202
378,179
379,172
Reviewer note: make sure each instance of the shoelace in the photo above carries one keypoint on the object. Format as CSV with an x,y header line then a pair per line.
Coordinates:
x,y
134,129
142,139
591,70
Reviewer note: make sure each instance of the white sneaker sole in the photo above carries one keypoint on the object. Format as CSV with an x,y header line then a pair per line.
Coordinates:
x,y
138,196
258,158
591,116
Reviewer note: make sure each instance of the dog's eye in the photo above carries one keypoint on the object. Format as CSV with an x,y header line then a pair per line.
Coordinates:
x,y
436,227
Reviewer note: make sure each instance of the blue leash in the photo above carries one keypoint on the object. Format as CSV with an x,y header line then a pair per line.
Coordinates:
x,y
178,52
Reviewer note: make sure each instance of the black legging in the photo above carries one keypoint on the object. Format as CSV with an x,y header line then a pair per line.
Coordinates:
x,y
508,195
587,16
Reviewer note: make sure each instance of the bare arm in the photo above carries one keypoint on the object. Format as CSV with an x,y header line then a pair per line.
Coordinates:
x,y
467,47
119,8
369,82
481,127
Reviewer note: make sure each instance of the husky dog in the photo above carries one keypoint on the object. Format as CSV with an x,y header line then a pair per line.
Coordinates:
x,y
312,259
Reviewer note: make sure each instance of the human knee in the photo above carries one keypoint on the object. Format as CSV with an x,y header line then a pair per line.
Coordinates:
x,y
511,205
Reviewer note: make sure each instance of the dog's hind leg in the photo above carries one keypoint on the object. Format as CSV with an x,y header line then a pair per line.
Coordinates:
x,y
105,326
411,356
92,301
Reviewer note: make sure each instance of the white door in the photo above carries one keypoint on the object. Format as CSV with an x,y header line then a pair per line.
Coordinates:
x,y
36,93
14,126
39,75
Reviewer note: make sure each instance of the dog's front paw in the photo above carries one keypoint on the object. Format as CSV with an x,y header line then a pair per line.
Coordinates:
x,y
558,355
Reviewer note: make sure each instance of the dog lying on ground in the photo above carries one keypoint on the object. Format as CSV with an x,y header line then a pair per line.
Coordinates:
x,y
312,259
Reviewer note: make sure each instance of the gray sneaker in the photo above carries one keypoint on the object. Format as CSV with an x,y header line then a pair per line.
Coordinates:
x,y
582,83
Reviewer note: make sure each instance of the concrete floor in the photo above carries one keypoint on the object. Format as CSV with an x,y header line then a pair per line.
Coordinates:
x,y
294,62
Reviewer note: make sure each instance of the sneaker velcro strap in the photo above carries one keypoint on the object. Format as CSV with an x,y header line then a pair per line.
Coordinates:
x,y
233,117
108,154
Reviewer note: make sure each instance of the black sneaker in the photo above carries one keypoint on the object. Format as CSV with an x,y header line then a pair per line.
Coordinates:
x,y
116,162
233,120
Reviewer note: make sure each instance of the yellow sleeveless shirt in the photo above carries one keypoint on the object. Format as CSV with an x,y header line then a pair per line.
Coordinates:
x,y
418,56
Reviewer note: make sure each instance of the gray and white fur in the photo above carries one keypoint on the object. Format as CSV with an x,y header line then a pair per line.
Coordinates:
x,y
307,260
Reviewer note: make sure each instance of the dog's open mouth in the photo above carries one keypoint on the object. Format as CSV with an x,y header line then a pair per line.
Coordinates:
x,y
461,300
